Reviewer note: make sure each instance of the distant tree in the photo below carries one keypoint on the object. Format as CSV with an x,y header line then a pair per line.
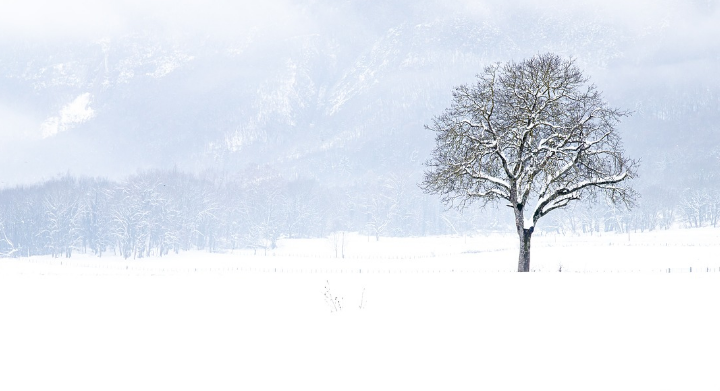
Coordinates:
x,y
533,134
714,207
299,209
94,219
381,205
237,210
62,217
207,220
126,222
657,209
264,194
695,205
7,247
24,220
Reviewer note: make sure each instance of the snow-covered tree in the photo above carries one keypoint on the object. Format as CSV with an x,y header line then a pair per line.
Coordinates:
x,y
380,207
95,218
7,247
299,209
533,134
264,194
62,212
696,205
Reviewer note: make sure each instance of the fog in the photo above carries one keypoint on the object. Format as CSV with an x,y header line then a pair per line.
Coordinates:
x,y
246,178
336,94
91,20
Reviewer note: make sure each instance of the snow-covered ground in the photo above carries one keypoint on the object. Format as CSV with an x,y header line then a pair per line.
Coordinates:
x,y
415,313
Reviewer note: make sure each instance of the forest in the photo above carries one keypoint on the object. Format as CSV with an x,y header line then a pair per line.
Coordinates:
x,y
156,212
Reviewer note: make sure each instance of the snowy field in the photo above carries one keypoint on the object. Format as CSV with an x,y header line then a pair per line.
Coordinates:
x,y
444,313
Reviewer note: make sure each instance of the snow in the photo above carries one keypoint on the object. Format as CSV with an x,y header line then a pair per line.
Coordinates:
x,y
165,65
416,313
528,223
75,112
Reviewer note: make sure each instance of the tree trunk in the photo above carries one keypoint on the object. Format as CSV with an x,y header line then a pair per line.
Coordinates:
x,y
524,259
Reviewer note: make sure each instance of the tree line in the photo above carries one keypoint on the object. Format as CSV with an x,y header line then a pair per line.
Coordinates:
x,y
157,212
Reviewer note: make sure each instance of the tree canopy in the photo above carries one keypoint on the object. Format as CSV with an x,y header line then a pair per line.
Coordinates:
x,y
532,133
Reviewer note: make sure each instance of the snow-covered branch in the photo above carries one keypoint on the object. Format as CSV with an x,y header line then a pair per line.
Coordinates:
x,y
529,131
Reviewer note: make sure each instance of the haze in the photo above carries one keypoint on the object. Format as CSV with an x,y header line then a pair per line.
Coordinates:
x,y
335,92
201,193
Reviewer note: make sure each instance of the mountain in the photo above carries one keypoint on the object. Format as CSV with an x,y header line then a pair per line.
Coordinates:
x,y
345,96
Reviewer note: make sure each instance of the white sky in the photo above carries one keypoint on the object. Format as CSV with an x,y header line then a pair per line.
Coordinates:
x,y
689,27
82,18
88,19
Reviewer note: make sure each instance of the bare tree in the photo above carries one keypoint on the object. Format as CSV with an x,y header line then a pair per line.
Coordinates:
x,y
62,217
7,248
533,134
381,205
695,205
